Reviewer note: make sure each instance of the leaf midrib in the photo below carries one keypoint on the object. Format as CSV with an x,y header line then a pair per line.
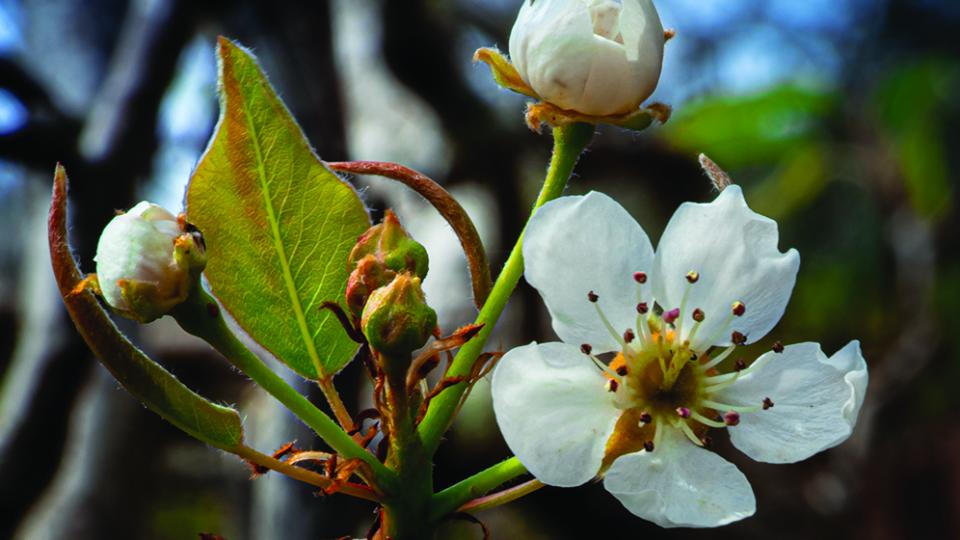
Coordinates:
x,y
278,242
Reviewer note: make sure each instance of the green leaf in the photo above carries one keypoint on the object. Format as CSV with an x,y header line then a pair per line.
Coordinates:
x,y
277,223
739,131
160,391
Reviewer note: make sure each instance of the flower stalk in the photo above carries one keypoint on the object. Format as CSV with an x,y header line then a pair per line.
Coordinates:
x,y
200,316
569,142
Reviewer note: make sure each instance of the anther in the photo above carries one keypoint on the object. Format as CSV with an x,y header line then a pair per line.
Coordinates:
x,y
622,371
683,412
670,316
640,277
645,418
586,348
778,347
707,441
648,446
643,308
767,403
592,296
698,315
629,336
693,277
739,309
612,385
740,365
738,338
731,418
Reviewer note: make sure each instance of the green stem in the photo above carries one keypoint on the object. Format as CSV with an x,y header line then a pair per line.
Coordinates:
x,y
569,143
200,316
448,500
501,498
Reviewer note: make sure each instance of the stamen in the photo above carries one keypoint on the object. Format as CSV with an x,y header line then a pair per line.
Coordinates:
x,y
586,348
707,441
683,412
612,385
710,389
648,446
670,316
645,418
738,338
689,433
739,308
640,277
693,277
740,365
767,403
720,358
629,336
727,407
778,347
722,330
622,371
592,297
698,315
731,418
606,323
706,421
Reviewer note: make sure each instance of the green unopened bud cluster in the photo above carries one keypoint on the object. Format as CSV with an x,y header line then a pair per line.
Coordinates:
x,y
384,289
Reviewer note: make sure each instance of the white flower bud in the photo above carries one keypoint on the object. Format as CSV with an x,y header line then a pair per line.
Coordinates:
x,y
144,262
595,57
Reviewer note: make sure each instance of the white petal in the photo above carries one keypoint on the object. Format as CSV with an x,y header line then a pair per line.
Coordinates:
x,y
680,485
554,412
735,251
575,245
816,402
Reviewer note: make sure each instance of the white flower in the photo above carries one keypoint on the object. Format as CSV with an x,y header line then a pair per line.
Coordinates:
x,y
641,422
141,270
596,57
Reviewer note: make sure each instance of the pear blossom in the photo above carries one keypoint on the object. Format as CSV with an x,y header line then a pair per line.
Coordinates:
x,y
673,319
144,261
596,57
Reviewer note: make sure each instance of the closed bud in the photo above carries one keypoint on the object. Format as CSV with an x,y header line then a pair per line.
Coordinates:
x,y
396,319
595,57
369,275
147,262
390,244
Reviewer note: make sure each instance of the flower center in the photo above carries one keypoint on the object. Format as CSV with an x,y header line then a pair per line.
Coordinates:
x,y
661,382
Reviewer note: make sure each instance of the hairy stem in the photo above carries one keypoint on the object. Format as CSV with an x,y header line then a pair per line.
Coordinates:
x,y
455,496
200,316
569,142
336,404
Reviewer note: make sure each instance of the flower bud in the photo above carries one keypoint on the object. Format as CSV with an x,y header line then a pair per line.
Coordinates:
x,y
147,261
397,319
390,244
369,275
595,57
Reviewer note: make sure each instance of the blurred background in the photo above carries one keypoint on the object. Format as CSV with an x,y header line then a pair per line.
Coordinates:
x,y
839,118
